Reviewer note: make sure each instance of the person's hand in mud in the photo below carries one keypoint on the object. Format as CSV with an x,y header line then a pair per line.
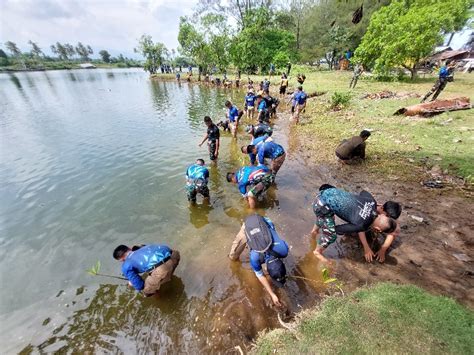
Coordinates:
x,y
369,254
276,301
380,255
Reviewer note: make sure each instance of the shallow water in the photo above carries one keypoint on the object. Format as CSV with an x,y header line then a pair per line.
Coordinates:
x,y
93,159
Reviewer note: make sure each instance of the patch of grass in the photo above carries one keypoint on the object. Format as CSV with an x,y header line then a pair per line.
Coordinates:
x,y
386,318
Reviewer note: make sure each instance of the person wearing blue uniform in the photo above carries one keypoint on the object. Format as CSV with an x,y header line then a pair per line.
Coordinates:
x,y
445,74
252,181
197,177
269,150
300,103
259,130
233,116
358,211
250,104
265,246
178,77
263,115
158,260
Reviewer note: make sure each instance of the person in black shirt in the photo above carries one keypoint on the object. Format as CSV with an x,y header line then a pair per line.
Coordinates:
x,y
358,211
213,138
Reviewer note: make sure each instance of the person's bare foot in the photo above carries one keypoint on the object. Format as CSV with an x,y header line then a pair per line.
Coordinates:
x,y
320,257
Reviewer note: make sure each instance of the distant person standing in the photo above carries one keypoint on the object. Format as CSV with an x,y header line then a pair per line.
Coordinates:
x,y
197,177
213,138
353,147
445,74
272,70
358,70
288,68
158,260
233,115
250,104
178,77
263,114
190,70
283,84
300,100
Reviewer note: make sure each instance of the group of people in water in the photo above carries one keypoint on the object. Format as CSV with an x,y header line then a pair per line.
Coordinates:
x,y
360,212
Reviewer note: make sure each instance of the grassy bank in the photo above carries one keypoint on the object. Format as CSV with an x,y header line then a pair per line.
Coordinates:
x,y
398,143
383,319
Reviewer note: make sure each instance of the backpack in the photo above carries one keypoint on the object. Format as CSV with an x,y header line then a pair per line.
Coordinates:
x,y
257,232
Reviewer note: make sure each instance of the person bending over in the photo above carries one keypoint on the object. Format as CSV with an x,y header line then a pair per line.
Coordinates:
x,y
259,130
265,246
158,260
197,177
269,150
213,138
359,211
353,147
263,114
252,182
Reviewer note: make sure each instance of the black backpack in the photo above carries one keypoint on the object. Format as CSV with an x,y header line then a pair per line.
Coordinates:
x,y
257,232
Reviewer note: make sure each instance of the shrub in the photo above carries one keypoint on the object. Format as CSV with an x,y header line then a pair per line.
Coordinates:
x,y
340,100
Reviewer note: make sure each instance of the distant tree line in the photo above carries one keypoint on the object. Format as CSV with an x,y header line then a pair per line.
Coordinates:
x,y
250,35
64,53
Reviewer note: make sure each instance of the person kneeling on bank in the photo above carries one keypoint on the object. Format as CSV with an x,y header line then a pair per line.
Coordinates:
x,y
353,148
159,261
197,177
265,246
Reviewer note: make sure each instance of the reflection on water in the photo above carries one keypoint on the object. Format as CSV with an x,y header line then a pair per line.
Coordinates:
x,y
93,159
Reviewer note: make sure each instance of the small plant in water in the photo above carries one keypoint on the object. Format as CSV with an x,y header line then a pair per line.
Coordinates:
x,y
94,271
326,277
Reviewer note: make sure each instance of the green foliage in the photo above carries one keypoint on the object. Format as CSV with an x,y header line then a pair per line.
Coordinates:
x,y
35,49
105,56
154,53
13,48
386,318
83,51
262,43
340,100
327,30
327,277
206,42
94,270
404,32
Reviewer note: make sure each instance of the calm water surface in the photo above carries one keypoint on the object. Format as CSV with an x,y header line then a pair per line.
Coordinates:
x,y
93,159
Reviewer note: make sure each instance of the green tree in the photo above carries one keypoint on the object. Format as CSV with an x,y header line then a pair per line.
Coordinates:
x,y
35,49
327,29
13,48
239,10
105,56
152,52
404,32
262,43
83,51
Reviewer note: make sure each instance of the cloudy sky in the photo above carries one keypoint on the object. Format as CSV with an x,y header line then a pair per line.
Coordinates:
x,y
114,25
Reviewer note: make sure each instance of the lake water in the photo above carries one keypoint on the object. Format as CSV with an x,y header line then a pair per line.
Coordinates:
x,y
93,159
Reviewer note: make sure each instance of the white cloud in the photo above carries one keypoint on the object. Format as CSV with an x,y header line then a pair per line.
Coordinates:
x,y
114,25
